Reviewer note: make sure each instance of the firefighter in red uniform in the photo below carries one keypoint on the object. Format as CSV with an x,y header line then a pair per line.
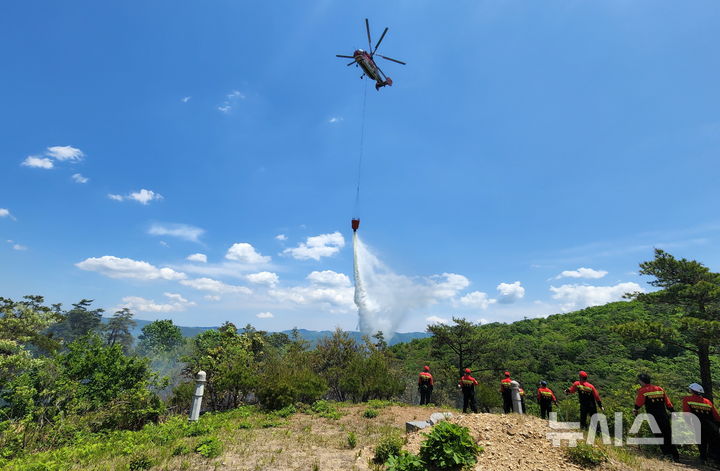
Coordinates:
x,y
506,393
425,385
704,410
521,391
467,383
546,398
588,396
657,404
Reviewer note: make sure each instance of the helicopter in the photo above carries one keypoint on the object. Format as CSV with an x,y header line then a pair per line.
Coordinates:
x,y
367,63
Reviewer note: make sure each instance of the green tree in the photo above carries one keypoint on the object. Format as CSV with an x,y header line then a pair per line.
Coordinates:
x,y
467,343
78,321
117,330
688,308
227,359
160,336
333,355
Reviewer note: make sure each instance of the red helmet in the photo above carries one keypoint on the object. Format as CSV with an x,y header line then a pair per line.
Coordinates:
x,y
426,368
507,373
583,374
467,370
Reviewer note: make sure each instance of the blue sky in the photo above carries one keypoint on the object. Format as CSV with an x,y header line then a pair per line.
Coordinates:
x,y
524,162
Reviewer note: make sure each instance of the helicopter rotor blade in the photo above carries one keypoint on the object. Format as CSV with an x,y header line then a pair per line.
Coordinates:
x,y
351,63
391,59
379,41
367,27
347,57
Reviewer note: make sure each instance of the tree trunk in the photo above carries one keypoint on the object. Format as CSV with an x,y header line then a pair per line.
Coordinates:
x,y
705,375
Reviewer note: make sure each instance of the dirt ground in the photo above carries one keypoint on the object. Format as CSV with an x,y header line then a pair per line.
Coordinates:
x,y
306,442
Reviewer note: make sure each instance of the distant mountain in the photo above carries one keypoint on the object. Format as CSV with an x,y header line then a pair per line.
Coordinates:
x,y
311,336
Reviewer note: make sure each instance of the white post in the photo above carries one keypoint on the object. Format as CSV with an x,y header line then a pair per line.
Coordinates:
x,y
197,398
515,394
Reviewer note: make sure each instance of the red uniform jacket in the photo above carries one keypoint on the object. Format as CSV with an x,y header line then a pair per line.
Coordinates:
x,y
467,381
585,390
652,397
701,407
545,394
505,385
425,378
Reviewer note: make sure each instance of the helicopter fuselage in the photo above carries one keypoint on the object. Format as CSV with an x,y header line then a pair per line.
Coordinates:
x,y
367,64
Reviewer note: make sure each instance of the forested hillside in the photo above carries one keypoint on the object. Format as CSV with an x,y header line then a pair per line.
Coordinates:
x,y
67,378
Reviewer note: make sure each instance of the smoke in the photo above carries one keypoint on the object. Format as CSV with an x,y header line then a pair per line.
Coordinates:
x,y
384,298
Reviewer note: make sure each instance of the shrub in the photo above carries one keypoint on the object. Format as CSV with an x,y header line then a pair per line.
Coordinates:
x,y
325,409
405,462
278,389
209,447
182,449
352,439
586,455
370,413
449,446
286,411
389,445
139,463
197,429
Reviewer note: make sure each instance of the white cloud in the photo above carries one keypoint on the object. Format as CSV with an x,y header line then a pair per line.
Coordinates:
x,y
476,299
37,162
215,286
323,245
5,213
263,278
582,273
510,292
573,296
185,99
181,231
335,119
265,315
176,297
79,178
437,320
145,196
281,237
329,277
115,267
65,153
212,297
19,247
245,253
451,284
137,303
230,101
335,299
197,257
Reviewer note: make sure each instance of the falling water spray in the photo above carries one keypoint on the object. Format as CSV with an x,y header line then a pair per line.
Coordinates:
x,y
382,297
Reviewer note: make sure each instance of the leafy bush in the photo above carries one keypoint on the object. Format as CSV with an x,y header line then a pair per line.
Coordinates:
x,y
197,429
325,409
352,439
286,411
182,449
370,413
586,455
139,463
449,446
405,462
389,445
279,388
209,447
